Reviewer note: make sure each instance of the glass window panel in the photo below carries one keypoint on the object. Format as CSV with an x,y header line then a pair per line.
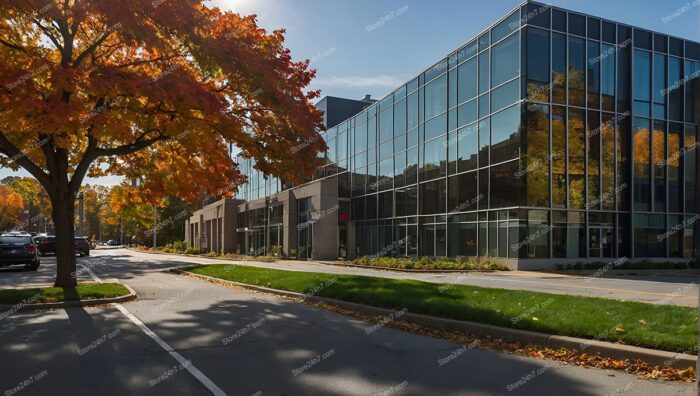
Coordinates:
x,y
399,170
467,113
386,174
577,24
558,68
436,97
386,205
690,162
537,15
559,20
483,189
361,137
505,95
577,78
608,161
608,32
412,138
642,39
386,149
436,70
412,111
624,77
674,93
675,187
624,182
467,80
593,77
412,166
577,163
642,83
594,28
484,108
434,158
506,27
493,239
484,73
505,137
537,61
608,77
642,165
436,127
433,197
593,134
468,143
660,43
372,132
399,143
386,125
535,155
692,91
484,142
400,118
452,93
412,86
484,41
659,164
505,62
462,239
659,93
505,186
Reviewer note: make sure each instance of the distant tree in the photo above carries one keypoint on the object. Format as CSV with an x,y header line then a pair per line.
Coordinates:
x,y
11,208
150,89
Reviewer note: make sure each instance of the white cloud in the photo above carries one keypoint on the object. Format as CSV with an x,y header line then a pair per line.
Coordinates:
x,y
382,80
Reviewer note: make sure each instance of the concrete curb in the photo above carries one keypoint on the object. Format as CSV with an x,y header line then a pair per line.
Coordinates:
x,y
603,348
71,304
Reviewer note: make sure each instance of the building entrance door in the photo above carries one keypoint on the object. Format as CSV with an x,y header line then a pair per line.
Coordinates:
x,y
600,242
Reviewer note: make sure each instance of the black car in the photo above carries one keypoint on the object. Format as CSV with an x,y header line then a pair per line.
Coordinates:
x,y
46,244
18,250
82,246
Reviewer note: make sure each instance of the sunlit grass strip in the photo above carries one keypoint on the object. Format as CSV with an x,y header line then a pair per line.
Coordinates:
x,y
665,327
59,294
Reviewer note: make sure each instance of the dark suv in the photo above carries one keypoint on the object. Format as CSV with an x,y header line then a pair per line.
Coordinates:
x,y
82,246
47,245
17,250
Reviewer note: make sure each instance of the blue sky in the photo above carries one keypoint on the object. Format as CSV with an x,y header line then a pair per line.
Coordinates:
x,y
353,60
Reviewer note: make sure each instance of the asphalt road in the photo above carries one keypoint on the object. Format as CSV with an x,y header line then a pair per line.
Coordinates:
x,y
187,337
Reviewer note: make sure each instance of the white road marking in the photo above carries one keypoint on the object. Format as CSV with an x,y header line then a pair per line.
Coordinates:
x,y
209,384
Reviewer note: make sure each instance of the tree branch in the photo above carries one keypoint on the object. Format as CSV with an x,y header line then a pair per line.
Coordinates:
x,y
92,47
130,148
9,149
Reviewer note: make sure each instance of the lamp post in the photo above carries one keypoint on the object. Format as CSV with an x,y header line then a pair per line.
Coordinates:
x,y
42,196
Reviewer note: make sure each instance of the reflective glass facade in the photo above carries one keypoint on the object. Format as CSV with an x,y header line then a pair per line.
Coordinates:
x,y
550,135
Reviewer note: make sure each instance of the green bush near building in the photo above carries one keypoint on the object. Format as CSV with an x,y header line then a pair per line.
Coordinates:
x,y
438,263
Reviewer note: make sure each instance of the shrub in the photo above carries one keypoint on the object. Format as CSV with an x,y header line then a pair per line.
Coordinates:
x,y
193,251
277,251
428,263
179,246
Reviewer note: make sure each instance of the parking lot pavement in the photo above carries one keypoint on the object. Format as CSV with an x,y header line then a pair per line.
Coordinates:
x,y
17,276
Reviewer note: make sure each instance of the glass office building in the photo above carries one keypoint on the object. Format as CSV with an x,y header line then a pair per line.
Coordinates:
x,y
552,136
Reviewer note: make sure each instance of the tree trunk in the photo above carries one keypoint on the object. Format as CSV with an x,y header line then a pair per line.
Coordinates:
x,y
64,220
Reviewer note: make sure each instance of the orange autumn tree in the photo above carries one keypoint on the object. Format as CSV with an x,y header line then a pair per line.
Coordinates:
x,y
11,207
150,89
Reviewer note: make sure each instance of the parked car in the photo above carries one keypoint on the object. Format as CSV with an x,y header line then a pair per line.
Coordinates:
x,y
18,250
46,244
112,242
82,246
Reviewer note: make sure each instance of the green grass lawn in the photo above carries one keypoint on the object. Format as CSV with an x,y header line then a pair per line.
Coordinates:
x,y
57,294
665,327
